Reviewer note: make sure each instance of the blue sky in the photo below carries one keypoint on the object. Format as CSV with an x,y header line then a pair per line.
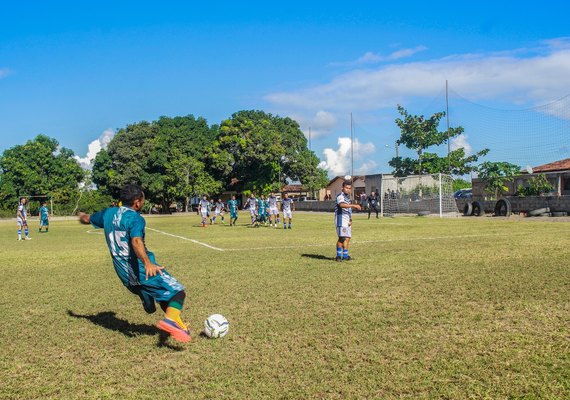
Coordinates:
x,y
77,72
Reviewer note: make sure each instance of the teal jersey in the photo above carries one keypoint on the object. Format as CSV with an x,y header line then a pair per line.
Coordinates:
x,y
233,206
44,212
121,225
261,205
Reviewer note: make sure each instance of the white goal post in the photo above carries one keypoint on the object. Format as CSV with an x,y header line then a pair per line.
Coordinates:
x,y
417,194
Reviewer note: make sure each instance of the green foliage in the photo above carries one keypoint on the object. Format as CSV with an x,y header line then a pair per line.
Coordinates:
x,y
495,174
261,152
537,185
38,167
164,157
461,184
418,133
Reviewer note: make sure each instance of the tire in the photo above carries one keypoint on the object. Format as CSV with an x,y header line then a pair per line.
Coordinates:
x,y
423,213
503,208
468,209
559,214
538,211
478,209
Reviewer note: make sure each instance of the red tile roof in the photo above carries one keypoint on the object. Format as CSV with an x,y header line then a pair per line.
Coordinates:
x,y
562,165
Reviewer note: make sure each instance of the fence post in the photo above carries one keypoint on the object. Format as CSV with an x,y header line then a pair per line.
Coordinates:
x,y
440,198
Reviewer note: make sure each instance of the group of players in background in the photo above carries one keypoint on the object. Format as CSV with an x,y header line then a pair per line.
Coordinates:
x,y
262,211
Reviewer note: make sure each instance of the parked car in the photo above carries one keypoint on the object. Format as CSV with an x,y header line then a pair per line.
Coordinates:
x,y
463,194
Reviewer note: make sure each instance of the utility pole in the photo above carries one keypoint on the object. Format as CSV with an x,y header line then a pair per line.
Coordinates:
x,y
351,155
310,138
447,119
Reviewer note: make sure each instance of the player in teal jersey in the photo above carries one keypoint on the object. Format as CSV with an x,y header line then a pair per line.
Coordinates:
x,y
262,210
135,265
233,209
44,217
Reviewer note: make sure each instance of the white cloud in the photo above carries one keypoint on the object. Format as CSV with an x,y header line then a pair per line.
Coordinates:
x,y
94,147
373,58
536,75
338,162
461,141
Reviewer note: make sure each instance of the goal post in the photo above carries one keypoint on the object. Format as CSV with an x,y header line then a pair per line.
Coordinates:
x,y
418,194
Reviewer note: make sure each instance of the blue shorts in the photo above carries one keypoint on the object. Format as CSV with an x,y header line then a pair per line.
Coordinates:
x,y
159,287
44,222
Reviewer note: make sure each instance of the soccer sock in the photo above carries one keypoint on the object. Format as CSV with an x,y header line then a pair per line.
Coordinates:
x,y
26,231
339,251
284,224
345,253
174,308
19,233
289,224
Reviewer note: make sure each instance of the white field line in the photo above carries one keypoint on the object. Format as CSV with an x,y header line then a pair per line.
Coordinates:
x,y
95,231
185,238
377,241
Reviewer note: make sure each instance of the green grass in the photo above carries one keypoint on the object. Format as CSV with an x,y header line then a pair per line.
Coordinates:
x,y
429,308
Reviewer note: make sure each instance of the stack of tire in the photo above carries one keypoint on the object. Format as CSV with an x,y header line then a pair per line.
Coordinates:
x,y
546,212
475,208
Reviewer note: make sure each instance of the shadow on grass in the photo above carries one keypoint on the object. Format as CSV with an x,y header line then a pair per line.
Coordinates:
x,y
318,257
108,320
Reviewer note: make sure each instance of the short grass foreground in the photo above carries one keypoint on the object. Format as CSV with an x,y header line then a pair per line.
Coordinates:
x,y
428,308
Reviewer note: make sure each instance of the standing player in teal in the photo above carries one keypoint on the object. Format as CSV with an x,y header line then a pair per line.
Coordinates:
x,y
288,207
233,208
262,210
44,217
135,265
22,218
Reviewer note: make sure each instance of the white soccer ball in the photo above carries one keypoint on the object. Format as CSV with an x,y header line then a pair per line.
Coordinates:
x,y
347,178
216,326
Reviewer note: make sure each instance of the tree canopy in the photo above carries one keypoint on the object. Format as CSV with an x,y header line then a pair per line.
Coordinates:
x,y
419,134
259,151
38,167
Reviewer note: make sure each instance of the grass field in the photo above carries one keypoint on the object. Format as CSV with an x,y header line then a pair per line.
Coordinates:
x,y
430,308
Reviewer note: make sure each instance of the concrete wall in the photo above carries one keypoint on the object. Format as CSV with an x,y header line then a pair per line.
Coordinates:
x,y
523,204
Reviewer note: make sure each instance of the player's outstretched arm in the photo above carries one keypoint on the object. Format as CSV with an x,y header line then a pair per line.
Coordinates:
x,y
84,218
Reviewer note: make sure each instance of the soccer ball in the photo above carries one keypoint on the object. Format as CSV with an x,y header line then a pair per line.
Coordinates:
x,y
347,178
216,326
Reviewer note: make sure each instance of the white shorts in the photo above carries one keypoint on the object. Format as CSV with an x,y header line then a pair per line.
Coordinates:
x,y
252,212
216,213
204,214
287,214
274,211
344,231
21,222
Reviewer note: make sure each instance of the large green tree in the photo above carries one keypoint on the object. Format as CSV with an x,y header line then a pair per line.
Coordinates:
x,y
418,133
38,167
164,157
261,152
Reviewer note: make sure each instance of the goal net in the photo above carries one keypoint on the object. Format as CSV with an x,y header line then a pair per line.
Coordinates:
x,y
418,194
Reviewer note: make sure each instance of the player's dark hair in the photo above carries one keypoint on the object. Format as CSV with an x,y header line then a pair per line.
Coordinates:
x,y
22,198
130,193
346,183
